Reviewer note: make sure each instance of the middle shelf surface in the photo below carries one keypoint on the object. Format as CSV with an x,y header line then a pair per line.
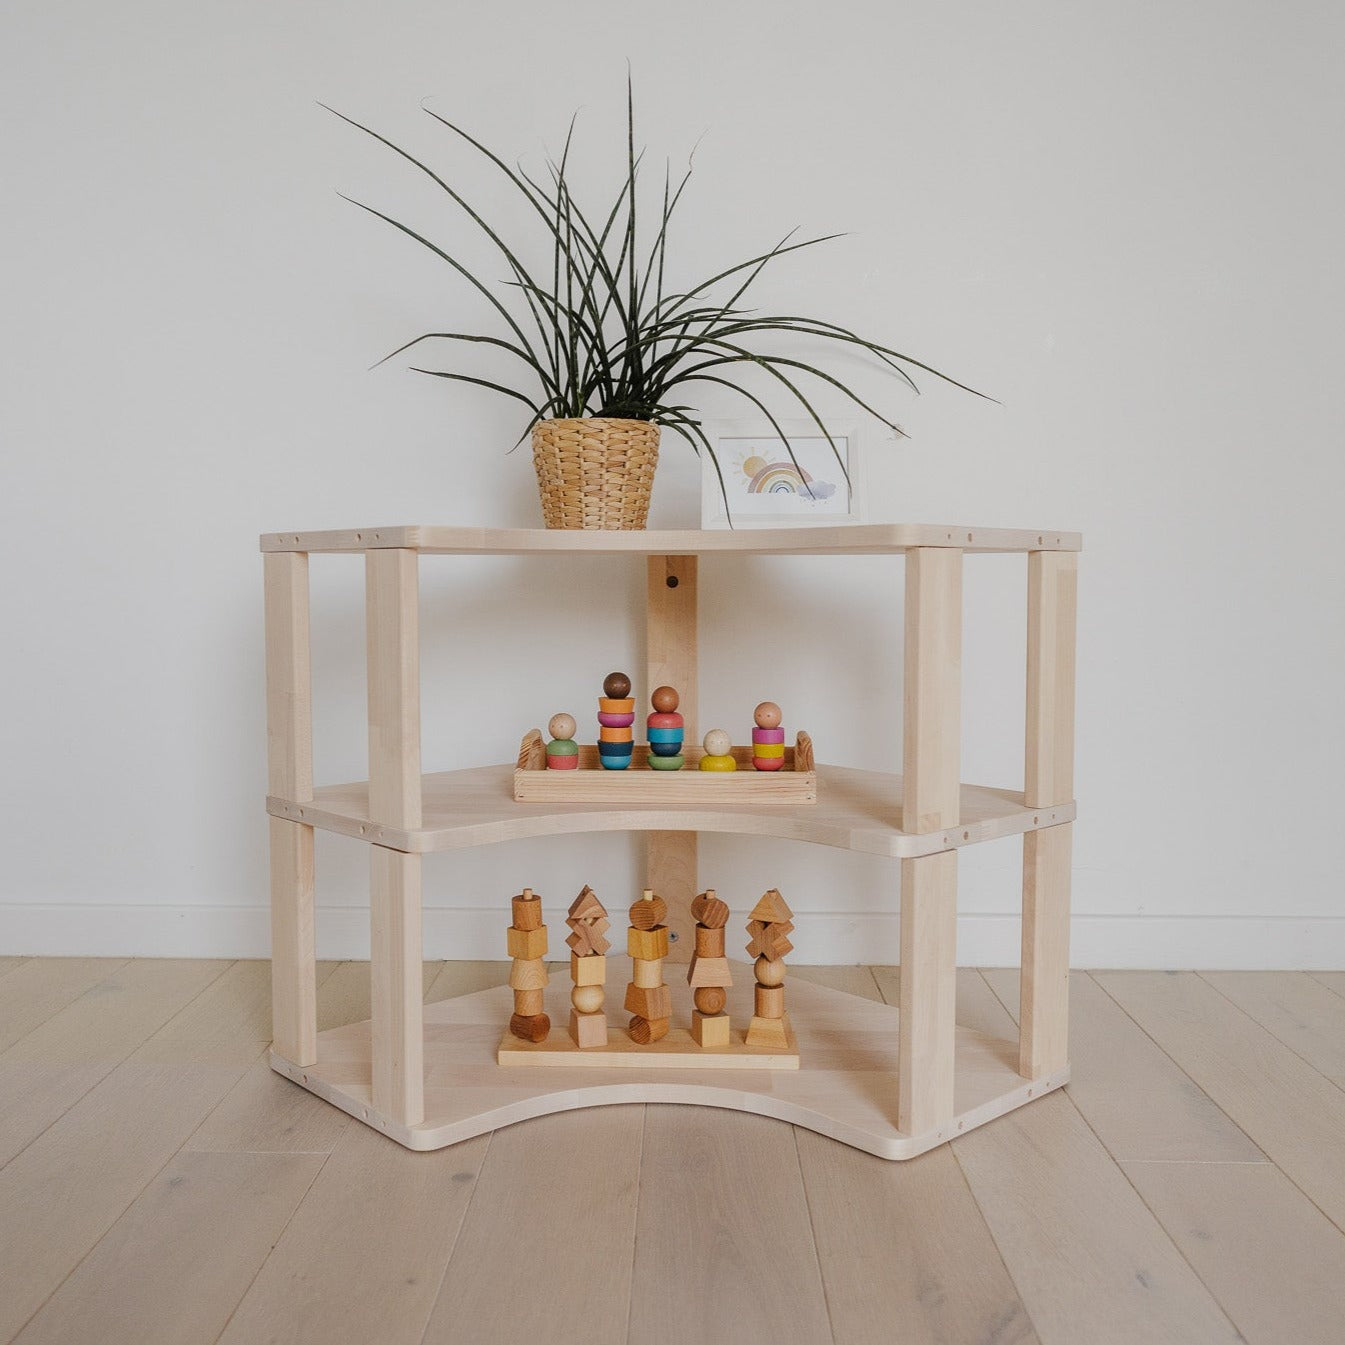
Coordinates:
x,y
855,810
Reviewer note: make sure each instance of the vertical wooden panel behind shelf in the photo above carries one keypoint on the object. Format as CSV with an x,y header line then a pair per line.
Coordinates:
x,y
1052,602
396,1024
932,802
289,756
671,660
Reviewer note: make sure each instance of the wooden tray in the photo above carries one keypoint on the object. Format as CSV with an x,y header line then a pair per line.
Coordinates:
x,y
795,782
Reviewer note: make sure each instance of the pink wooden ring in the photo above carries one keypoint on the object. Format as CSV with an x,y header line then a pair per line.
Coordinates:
x,y
768,735
768,763
615,721
562,763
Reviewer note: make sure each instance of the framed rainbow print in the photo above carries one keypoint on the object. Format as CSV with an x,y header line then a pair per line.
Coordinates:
x,y
766,488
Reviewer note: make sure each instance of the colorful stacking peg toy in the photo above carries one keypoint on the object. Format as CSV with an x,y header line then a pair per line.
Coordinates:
x,y
768,738
562,752
616,714
718,752
666,729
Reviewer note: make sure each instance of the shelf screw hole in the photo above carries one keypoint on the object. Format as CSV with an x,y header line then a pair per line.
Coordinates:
x,y
301,812
673,936
672,581
966,835
362,831
1038,541
1036,821
960,1124
359,537
305,1078
969,537
366,1113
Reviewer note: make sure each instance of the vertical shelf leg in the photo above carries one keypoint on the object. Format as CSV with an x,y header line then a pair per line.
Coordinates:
x,y
393,641
931,801
396,990
1049,779
670,660
928,991
289,751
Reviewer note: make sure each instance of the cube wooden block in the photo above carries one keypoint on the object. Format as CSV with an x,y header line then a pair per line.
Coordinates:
x,y
649,1003
527,974
529,1002
770,1001
769,1032
709,1029
709,942
648,944
527,944
588,1029
527,912
588,970
647,975
708,971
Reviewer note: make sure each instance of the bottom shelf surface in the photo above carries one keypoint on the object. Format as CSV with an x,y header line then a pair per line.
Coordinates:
x,y
845,1085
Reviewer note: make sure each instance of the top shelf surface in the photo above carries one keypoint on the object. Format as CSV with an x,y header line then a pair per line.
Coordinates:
x,y
846,540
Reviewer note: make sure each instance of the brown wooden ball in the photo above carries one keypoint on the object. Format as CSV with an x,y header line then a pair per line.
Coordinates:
x,y
710,998
587,998
665,700
770,972
767,715
562,726
616,686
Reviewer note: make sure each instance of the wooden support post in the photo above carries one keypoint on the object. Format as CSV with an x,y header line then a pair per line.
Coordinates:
x,y
1049,779
289,743
393,639
931,801
395,985
670,660
928,991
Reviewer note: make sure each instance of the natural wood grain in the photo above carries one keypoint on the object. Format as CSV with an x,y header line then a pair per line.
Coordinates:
x,y
1044,1025
338,1274
392,617
1140,1104
1052,586
925,1064
43,986
293,941
1283,1104
1307,1016
172,1268
723,1218
1271,1258
396,985
933,691
289,681
847,540
855,810
578,1224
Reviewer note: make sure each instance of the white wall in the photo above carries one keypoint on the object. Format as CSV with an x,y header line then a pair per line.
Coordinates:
x,y
1122,220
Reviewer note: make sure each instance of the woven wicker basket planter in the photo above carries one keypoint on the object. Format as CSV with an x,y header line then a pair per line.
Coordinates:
x,y
595,473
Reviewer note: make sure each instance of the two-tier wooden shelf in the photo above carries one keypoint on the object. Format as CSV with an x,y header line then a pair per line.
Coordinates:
x,y
892,1081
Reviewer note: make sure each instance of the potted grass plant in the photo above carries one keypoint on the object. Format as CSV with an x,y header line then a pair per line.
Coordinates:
x,y
608,351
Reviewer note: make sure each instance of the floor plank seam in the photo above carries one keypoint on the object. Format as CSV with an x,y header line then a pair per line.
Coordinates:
x,y
1328,984
812,1234
1177,1066
635,1220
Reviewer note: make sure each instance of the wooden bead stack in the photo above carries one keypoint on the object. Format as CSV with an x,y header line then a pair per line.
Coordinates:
x,y
770,925
646,996
768,738
616,714
666,729
588,923
718,752
708,974
562,752
527,978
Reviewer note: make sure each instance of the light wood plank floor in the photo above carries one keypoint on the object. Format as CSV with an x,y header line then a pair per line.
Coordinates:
x,y
158,1183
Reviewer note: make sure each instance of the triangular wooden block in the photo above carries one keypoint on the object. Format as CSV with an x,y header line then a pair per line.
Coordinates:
x,y
772,909
708,971
586,906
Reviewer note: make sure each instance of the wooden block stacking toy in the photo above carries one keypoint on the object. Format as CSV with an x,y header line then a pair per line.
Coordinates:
x,y
708,975
768,738
666,729
769,925
526,939
588,971
718,752
562,752
616,714
647,998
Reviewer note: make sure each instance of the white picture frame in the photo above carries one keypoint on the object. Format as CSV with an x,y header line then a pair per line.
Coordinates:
x,y
763,487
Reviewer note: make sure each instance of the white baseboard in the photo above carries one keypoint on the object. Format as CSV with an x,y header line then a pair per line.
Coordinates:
x,y
826,938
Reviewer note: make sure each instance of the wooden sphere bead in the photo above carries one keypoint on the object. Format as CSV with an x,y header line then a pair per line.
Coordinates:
x,y
616,685
767,715
718,743
711,998
770,972
562,726
665,700
587,998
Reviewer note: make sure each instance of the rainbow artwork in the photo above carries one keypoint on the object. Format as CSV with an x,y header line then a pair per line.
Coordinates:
x,y
762,482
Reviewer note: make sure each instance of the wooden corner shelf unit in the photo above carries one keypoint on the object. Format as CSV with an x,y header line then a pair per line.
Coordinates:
x,y
894,1081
